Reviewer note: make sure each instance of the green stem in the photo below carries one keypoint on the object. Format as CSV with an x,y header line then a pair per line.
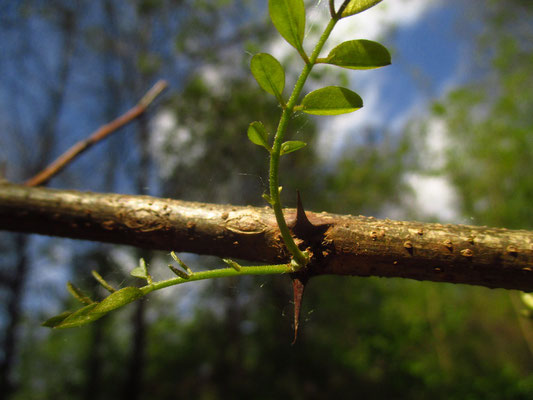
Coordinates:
x,y
297,254
220,273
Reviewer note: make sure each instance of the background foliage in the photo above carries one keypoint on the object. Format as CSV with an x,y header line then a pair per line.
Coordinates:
x,y
68,67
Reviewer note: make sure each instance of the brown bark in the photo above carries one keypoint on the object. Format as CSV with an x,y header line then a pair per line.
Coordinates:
x,y
347,245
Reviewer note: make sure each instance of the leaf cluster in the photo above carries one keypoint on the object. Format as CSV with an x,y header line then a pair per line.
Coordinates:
x,y
288,16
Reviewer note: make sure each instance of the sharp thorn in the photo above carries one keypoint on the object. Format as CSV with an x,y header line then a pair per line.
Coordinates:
x,y
301,217
298,286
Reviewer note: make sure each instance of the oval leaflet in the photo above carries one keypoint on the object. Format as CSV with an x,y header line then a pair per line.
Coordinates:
x,y
331,100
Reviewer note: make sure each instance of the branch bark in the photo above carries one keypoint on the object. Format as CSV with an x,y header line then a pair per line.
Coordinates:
x,y
347,245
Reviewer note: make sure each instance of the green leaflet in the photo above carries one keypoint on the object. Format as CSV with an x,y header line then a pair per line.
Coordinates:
x,y
356,6
78,318
95,311
331,100
78,294
141,271
118,299
258,134
288,16
269,73
54,321
291,145
359,54
138,273
179,272
103,282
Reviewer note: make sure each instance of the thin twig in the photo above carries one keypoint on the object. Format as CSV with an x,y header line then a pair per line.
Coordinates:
x,y
101,133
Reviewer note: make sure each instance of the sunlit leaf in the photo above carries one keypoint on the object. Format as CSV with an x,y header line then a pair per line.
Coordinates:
x,y
269,73
357,6
288,16
359,54
291,145
54,321
118,299
258,134
78,294
331,100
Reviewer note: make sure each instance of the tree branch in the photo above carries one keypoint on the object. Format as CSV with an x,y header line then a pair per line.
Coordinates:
x,y
346,245
101,133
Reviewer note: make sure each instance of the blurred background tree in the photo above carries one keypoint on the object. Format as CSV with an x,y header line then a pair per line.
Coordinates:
x,y
71,66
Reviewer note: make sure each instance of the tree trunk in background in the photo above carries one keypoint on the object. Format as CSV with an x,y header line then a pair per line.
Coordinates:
x,y
14,310
48,128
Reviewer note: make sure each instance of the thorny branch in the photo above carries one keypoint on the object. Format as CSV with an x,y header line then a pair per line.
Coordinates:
x,y
340,244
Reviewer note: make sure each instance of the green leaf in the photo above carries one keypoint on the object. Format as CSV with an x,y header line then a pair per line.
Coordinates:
x,y
357,6
138,273
331,100
179,272
80,317
118,299
78,294
359,54
269,73
288,16
258,134
291,145
95,311
54,321
103,282
141,271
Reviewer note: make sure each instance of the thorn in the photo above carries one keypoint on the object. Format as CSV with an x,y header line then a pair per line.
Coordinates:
x,y
301,217
298,286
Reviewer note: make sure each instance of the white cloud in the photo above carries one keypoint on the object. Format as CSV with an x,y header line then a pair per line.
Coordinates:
x,y
375,22
372,24
435,196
